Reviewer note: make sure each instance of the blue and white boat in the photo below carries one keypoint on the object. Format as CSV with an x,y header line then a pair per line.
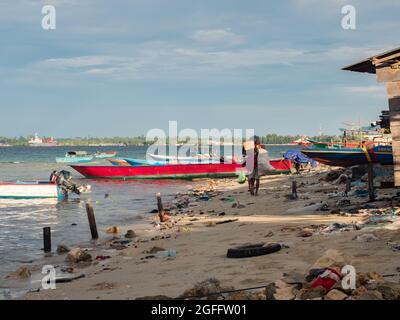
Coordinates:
x,y
346,157
143,162
75,157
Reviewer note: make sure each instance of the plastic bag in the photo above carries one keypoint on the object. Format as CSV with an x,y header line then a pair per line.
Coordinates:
x,y
241,177
264,165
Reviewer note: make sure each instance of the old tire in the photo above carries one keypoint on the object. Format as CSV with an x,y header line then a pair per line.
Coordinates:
x,y
253,250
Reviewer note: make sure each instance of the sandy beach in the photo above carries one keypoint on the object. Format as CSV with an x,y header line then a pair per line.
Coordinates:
x,y
135,270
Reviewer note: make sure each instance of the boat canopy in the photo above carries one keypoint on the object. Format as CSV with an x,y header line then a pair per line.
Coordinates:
x,y
76,153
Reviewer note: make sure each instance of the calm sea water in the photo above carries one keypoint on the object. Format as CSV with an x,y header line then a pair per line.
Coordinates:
x,y
22,221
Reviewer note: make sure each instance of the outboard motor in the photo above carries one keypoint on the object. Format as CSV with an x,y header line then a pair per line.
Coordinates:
x,y
64,180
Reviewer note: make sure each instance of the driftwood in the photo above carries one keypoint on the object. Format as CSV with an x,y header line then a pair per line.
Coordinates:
x,y
226,221
65,280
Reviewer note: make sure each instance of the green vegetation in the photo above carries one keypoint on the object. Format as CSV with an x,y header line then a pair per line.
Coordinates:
x,y
278,139
141,140
21,141
78,141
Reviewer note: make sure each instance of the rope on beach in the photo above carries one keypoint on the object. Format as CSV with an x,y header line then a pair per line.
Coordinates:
x,y
222,292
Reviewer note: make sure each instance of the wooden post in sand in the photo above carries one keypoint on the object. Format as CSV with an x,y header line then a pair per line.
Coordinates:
x,y
92,221
47,239
348,185
371,182
294,190
160,207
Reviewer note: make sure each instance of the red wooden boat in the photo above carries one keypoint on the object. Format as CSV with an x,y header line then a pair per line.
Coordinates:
x,y
176,171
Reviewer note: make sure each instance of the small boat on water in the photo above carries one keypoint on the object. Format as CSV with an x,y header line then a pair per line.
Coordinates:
x,y
173,171
179,159
59,186
75,157
345,157
144,162
105,155
118,162
30,190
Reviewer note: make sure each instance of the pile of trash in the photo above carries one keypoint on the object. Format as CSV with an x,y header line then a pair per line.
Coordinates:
x,y
328,279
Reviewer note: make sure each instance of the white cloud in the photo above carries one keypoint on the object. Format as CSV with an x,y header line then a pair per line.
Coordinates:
x,y
145,62
242,58
218,36
161,60
366,89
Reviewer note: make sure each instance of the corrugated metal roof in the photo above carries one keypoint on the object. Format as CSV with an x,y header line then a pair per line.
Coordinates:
x,y
369,65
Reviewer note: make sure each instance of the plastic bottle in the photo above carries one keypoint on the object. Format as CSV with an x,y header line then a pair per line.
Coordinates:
x,y
166,253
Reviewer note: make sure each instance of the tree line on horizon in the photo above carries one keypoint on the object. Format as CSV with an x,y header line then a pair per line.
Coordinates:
x,y
141,140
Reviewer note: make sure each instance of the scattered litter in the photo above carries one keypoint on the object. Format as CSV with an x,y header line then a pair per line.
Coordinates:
x,y
343,203
184,229
226,221
209,288
68,270
358,183
166,254
154,250
78,255
395,246
327,279
366,237
20,273
66,280
341,179
338,227
333,175
362,193
101,258
7,294
103,286
63,249
130,234
113,229
305,234
204,197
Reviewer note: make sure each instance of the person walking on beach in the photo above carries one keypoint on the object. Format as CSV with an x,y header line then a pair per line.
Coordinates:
x,y
251,163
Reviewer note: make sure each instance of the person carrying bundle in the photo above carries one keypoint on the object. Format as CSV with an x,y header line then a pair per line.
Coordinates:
x,y
256,163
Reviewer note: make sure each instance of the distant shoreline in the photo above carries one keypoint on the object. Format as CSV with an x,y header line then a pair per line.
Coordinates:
x,y
127,145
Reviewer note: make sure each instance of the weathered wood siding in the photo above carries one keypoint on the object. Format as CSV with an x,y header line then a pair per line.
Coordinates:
x,y
393,90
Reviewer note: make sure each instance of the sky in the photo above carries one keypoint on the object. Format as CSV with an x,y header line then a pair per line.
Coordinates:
x,y
124,67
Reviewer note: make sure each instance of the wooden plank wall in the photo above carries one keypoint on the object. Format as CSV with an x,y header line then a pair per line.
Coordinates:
x,y
391,76
393,90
